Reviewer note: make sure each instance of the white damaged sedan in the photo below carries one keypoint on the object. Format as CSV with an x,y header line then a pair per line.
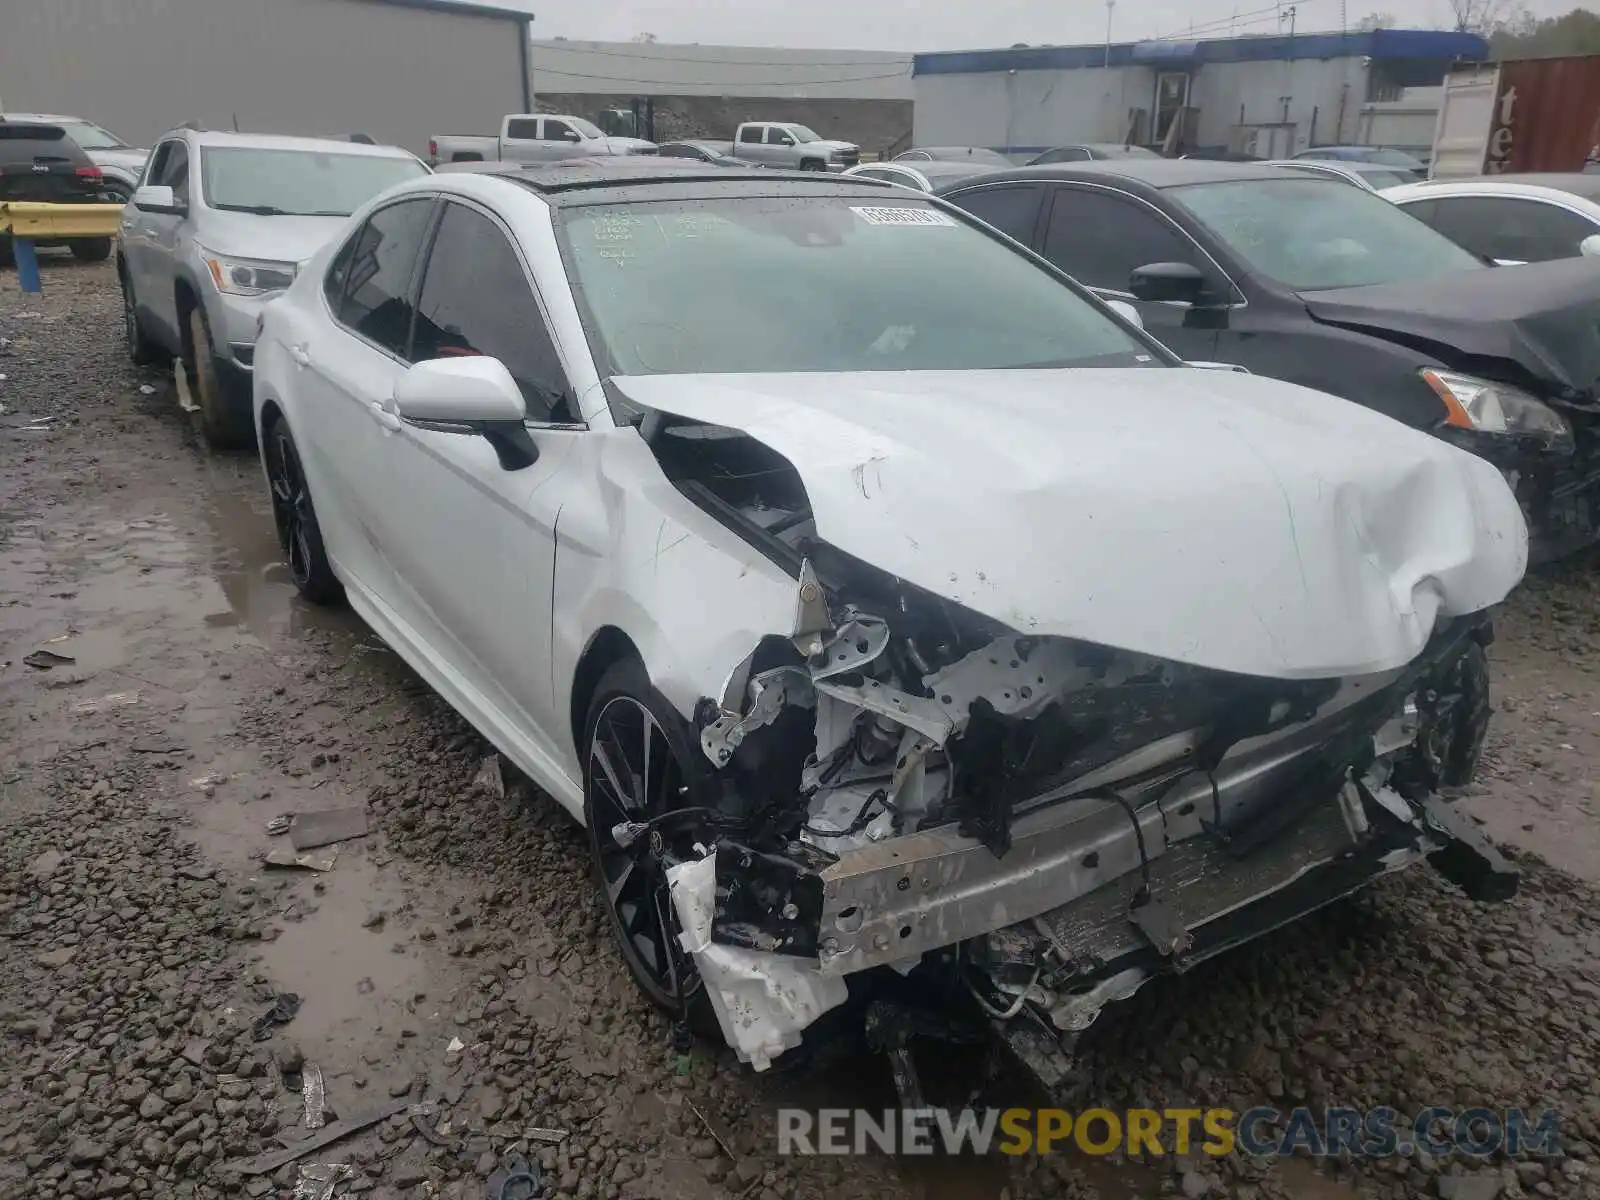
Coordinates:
x,y
908,629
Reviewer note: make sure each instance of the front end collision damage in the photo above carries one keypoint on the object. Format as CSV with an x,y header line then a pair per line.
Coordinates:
x,y
1037,823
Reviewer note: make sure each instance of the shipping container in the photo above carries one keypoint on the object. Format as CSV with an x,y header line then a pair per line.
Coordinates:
x,y
1532,114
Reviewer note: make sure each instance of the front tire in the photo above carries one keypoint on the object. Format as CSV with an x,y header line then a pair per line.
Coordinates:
x,y
91,249
299,534
226,422
813,164
640,762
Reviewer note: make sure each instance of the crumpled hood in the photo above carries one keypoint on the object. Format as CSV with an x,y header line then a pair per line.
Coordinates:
x,y
1214,518
1543,317
277,239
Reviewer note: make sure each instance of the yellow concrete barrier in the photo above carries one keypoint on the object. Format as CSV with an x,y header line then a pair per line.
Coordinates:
x,y
26,220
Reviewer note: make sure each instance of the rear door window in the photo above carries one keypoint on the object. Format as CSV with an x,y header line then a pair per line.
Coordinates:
x,y
1012,209
476,300
525,130
1511,229
750,134
376,295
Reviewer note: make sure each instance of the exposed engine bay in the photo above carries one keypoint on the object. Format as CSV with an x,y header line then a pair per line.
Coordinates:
x,y
901,785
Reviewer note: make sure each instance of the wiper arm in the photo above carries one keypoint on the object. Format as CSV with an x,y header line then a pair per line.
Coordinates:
x,y
260,210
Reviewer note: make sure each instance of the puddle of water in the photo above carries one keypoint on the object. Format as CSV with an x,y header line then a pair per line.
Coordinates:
x,y
350,981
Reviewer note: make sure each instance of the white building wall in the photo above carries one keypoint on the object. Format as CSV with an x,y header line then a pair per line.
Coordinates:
x,y
1030,110
565,67
1027,111
1307,89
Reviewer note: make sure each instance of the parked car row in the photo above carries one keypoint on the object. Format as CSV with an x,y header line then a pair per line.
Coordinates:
x,y
1039,661
530,138
63,160
1319,283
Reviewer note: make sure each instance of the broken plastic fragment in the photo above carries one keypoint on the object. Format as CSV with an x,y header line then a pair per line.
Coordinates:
x,y
762,1001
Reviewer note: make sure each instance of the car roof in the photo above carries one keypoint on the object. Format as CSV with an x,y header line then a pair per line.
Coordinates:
x,y
1154,173
275,141
46,118
1587,186
583,181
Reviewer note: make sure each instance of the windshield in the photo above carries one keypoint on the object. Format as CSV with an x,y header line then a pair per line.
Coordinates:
x,y
295,183
1310,234
92,137
827,283
802,134
584,127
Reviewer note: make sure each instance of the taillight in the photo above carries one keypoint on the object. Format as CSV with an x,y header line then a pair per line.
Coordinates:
x,y
433,148
88,172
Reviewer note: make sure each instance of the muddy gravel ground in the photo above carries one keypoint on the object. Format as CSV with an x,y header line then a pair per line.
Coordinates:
x,y
455,960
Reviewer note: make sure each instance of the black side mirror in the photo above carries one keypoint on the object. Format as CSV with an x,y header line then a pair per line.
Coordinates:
x,y
1175,281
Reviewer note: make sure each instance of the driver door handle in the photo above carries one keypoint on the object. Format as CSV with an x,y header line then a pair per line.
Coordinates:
x,y
389,420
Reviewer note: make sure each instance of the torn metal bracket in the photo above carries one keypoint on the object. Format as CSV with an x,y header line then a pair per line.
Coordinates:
x,y
811,618
1018,676
770,693
858,642
925,716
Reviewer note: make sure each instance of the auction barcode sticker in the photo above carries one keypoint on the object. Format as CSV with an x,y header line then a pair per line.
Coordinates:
x,y
902,216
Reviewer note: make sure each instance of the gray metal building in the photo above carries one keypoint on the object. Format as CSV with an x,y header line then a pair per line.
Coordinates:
x,y
1270,96
397,70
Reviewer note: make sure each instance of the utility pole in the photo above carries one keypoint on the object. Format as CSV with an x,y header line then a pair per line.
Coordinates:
x,y
1110,4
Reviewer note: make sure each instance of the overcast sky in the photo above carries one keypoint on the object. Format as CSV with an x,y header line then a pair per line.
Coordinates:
x,y
952,24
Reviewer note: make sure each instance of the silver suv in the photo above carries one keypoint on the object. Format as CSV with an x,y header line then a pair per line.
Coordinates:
x,y
219,223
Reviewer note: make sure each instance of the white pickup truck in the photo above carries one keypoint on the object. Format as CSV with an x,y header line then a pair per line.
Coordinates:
x,y
787,144
533,138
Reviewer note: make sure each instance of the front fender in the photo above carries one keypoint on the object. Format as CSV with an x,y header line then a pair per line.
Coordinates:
x,y
634,554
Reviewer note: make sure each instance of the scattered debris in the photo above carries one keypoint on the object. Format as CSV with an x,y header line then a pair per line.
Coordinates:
x,y
154,746
311,860
518,1179
715,1129
309,830
279,824
456,1046
317,1180
439,1136
146,390
549,1136
204,783
284,1007
274,1159
490,778
44,660
109,700
314,1094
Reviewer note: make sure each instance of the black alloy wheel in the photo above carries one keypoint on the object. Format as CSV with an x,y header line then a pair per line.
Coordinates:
x,y
296,519
634,770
